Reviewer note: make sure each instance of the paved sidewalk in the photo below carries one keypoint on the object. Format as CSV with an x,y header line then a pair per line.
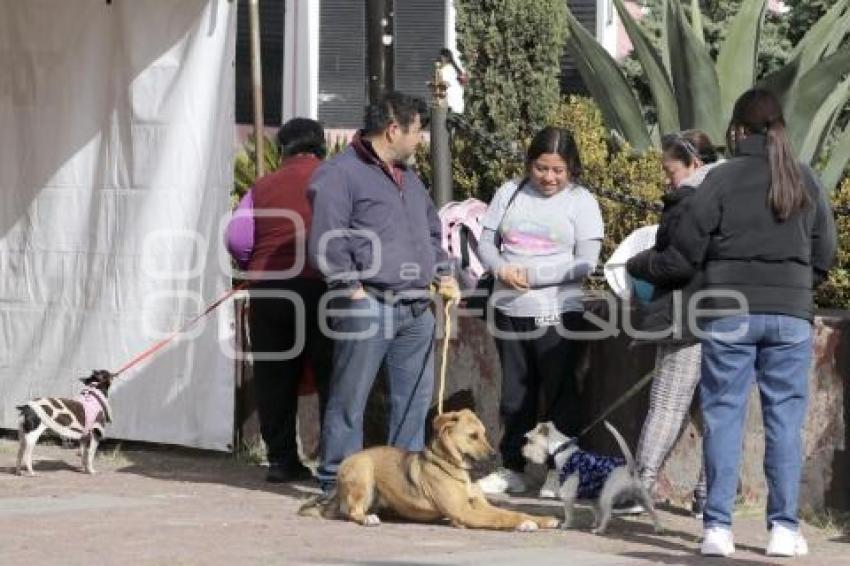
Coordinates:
x,y
171,506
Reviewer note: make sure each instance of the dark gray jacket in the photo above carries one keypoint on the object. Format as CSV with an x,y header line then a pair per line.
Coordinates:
x,y
669,272
356,195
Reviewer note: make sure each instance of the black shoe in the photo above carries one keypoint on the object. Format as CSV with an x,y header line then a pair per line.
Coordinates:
x,y
282,473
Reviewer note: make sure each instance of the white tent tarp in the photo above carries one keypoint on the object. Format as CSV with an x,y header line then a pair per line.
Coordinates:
x,y
115,169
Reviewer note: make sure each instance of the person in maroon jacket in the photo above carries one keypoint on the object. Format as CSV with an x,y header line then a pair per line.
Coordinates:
x,y
267,237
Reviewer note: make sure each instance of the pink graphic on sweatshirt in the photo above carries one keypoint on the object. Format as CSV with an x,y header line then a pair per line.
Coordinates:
x,y
532,239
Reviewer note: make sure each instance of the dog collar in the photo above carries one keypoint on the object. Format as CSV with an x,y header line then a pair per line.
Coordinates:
x,y
550,460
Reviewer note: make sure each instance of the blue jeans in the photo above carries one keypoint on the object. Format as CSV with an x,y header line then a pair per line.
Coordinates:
x,y
776,350
403,334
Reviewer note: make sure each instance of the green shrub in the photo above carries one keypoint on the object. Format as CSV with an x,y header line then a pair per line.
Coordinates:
x,y
512,50
835,292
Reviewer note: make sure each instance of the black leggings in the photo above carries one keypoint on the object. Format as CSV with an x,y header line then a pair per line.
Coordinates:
x,y
531,366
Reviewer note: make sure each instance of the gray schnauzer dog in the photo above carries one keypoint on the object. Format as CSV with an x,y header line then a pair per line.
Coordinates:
x,y
583,475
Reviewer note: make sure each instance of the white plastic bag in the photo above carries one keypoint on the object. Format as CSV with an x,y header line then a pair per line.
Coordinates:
x,y
615,268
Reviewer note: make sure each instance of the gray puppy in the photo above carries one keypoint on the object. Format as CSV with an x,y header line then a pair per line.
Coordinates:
x,y
583,475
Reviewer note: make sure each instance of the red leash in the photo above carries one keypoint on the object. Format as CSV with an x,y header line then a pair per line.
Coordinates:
x,y
180,330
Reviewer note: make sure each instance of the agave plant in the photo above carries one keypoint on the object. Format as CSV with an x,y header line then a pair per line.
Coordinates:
x,y
690,90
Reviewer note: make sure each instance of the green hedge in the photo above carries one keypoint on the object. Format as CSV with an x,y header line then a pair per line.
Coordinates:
x,y
835,292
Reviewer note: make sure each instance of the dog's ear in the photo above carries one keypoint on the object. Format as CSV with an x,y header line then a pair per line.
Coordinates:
x,y
450,449
443,421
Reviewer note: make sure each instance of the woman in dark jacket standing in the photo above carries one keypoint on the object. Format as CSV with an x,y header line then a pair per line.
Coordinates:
x,y
687,158
761,232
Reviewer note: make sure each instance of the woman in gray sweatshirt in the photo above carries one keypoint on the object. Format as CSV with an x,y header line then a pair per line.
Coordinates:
x,y
542,236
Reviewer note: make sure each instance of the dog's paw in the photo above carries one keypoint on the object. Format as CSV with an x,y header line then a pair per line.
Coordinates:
x,y
527,526
27,474
598,531
548,523
371,521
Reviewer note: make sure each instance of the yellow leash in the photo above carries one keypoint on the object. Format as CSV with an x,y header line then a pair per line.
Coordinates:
x,y
443,362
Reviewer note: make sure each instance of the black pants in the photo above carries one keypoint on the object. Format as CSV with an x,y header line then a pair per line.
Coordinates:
x,y
534,368
274,328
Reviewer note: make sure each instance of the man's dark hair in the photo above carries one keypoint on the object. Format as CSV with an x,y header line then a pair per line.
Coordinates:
x,y
394,107
302,135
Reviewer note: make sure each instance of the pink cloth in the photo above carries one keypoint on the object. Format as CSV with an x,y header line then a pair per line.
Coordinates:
x,y
93,403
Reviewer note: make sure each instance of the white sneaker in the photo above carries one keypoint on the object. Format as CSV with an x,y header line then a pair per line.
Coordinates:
x,y
501,481
549,489
786,542
717,541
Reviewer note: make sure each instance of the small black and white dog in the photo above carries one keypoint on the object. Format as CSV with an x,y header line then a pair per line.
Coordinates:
x,y
80,419
582,475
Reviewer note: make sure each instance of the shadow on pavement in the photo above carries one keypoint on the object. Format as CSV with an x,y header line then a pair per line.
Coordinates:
x,y
190,465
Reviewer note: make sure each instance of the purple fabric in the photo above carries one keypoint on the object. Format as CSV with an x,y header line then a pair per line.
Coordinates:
x,y
239,237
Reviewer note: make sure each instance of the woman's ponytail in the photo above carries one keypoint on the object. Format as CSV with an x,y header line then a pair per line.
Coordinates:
x,y
758,111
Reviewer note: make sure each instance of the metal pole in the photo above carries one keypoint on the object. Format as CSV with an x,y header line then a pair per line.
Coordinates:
x,y
257,82
441,157
379,47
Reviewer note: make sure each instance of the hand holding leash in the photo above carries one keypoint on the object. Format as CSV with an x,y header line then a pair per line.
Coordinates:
x,y
448,289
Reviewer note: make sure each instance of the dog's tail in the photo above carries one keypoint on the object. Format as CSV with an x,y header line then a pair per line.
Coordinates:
x,y
325,505
624,447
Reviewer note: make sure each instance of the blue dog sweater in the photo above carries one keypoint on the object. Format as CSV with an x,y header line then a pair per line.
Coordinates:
x,y
592,471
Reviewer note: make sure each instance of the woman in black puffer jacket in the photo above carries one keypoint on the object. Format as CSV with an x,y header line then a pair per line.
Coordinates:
x,y
761,233
687,158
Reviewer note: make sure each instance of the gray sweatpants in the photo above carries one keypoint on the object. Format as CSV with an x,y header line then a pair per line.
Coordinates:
x,y
677,373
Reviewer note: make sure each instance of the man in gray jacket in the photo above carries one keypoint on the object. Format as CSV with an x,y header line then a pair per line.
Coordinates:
x,y
376,238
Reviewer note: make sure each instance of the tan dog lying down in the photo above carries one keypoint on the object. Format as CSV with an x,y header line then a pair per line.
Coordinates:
x,y
423,486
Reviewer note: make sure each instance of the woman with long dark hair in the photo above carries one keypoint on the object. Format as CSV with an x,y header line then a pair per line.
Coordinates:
x,y
541,238
760,231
